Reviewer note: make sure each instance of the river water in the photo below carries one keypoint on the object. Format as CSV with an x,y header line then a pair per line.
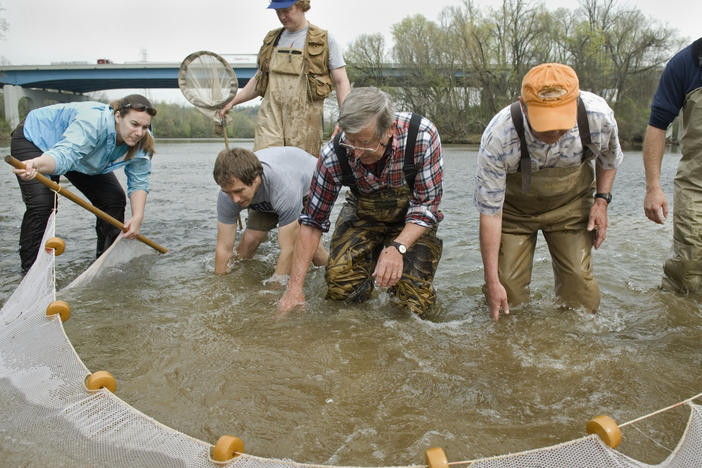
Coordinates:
x,y
370,384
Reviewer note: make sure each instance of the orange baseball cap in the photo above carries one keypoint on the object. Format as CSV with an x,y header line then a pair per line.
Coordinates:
x,y
550,92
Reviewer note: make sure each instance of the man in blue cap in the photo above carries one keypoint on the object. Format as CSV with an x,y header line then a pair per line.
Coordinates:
x,y
297,66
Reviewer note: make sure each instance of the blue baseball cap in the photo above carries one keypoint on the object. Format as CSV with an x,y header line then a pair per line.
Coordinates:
x,y
282,4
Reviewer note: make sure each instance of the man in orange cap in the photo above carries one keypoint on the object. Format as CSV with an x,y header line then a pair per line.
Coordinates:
x,y
534,173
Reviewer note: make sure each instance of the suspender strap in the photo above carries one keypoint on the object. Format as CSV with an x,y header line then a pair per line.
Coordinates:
x,y
525,161
347,177
409,168
590,151
277,38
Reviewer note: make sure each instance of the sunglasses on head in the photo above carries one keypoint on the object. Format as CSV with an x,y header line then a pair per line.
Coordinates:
x,y
139,107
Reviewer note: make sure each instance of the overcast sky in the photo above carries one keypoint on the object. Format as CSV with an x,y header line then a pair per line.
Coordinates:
x,y
45,31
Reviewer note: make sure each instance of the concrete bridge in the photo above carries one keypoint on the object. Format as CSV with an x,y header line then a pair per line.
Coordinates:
x,y
42,85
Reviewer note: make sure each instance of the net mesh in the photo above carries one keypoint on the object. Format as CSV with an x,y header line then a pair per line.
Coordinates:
x,y
45,399
208,82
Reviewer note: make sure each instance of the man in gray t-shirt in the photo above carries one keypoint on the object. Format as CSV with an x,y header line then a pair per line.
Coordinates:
x,y
273,180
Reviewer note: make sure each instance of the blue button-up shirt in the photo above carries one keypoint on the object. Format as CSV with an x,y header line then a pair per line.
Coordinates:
x,y
81,137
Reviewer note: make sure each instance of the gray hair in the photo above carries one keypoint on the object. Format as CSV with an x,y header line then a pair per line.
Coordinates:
x,y
363,106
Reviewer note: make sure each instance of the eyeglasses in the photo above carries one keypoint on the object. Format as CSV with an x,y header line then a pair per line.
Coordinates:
x,y
139,107
361,148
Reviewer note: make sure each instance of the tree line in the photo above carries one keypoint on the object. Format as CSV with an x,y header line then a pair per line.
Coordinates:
x,y
463,68
185,121
174,121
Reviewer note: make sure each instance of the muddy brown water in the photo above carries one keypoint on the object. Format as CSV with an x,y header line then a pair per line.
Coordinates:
x,y
369,384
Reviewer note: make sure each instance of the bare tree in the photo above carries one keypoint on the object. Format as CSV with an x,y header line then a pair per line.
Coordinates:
x,y
462,70
366,58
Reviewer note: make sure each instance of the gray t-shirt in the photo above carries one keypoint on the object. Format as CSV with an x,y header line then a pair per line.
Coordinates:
x,y
296,40
287,173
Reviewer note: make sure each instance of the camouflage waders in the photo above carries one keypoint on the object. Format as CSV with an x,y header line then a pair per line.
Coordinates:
x,y
683,271
558,203
366,224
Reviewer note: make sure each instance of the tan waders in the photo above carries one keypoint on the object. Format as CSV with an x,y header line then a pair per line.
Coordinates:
x,y
558,203
366,224
683,271
288,117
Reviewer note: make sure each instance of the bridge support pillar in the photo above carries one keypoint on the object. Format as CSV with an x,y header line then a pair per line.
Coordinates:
x,y
37,98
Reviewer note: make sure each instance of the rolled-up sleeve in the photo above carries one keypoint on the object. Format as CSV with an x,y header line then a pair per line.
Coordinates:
x,y
428,189
491,170
324,189
137,172
611,152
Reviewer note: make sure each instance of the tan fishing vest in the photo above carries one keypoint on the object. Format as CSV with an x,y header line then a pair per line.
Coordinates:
x,y
315,59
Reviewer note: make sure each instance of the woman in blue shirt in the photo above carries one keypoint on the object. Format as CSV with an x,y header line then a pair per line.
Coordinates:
x,y
85,141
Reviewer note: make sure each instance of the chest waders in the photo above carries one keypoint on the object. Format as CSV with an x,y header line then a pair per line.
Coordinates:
x,y
366,224
683,271
288,116
556,201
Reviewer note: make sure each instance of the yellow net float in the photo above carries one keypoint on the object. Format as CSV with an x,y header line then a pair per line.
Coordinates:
x,y
436,458
606,429
57,244
59,307
100,379
226,448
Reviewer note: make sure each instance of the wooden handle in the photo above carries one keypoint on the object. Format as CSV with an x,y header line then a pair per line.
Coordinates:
x,y
76,199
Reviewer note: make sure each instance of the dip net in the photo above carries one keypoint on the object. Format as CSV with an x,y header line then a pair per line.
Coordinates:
x,y
208,82
47,404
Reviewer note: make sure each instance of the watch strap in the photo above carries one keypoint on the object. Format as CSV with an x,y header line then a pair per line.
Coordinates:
x,y
399,247
605,196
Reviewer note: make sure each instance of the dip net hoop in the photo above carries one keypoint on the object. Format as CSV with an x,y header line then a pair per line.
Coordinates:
x,y
208,82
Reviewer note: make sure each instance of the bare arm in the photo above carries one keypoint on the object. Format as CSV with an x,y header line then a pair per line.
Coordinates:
x,y
305,246
341,84
226,236
388,270
247,93
490,236
137,202
655,203
286,240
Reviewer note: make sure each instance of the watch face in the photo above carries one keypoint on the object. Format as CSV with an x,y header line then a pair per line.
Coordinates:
x,y
402,248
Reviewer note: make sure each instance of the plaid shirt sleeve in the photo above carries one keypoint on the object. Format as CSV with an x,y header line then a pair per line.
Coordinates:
x,y
428,186
324,189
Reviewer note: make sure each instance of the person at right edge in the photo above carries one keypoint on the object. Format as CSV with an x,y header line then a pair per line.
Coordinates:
x,y
296,67
680,87
534,172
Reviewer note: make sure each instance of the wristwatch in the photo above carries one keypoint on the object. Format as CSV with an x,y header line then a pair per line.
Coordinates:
x,y
402,248
605,196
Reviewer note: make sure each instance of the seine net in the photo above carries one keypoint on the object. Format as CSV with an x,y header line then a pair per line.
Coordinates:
x,y
46,403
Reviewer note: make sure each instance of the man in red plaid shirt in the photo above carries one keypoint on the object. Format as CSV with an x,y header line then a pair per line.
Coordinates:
x,y
385,234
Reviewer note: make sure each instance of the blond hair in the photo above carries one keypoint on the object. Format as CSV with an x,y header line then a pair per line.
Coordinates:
x,y
304,5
